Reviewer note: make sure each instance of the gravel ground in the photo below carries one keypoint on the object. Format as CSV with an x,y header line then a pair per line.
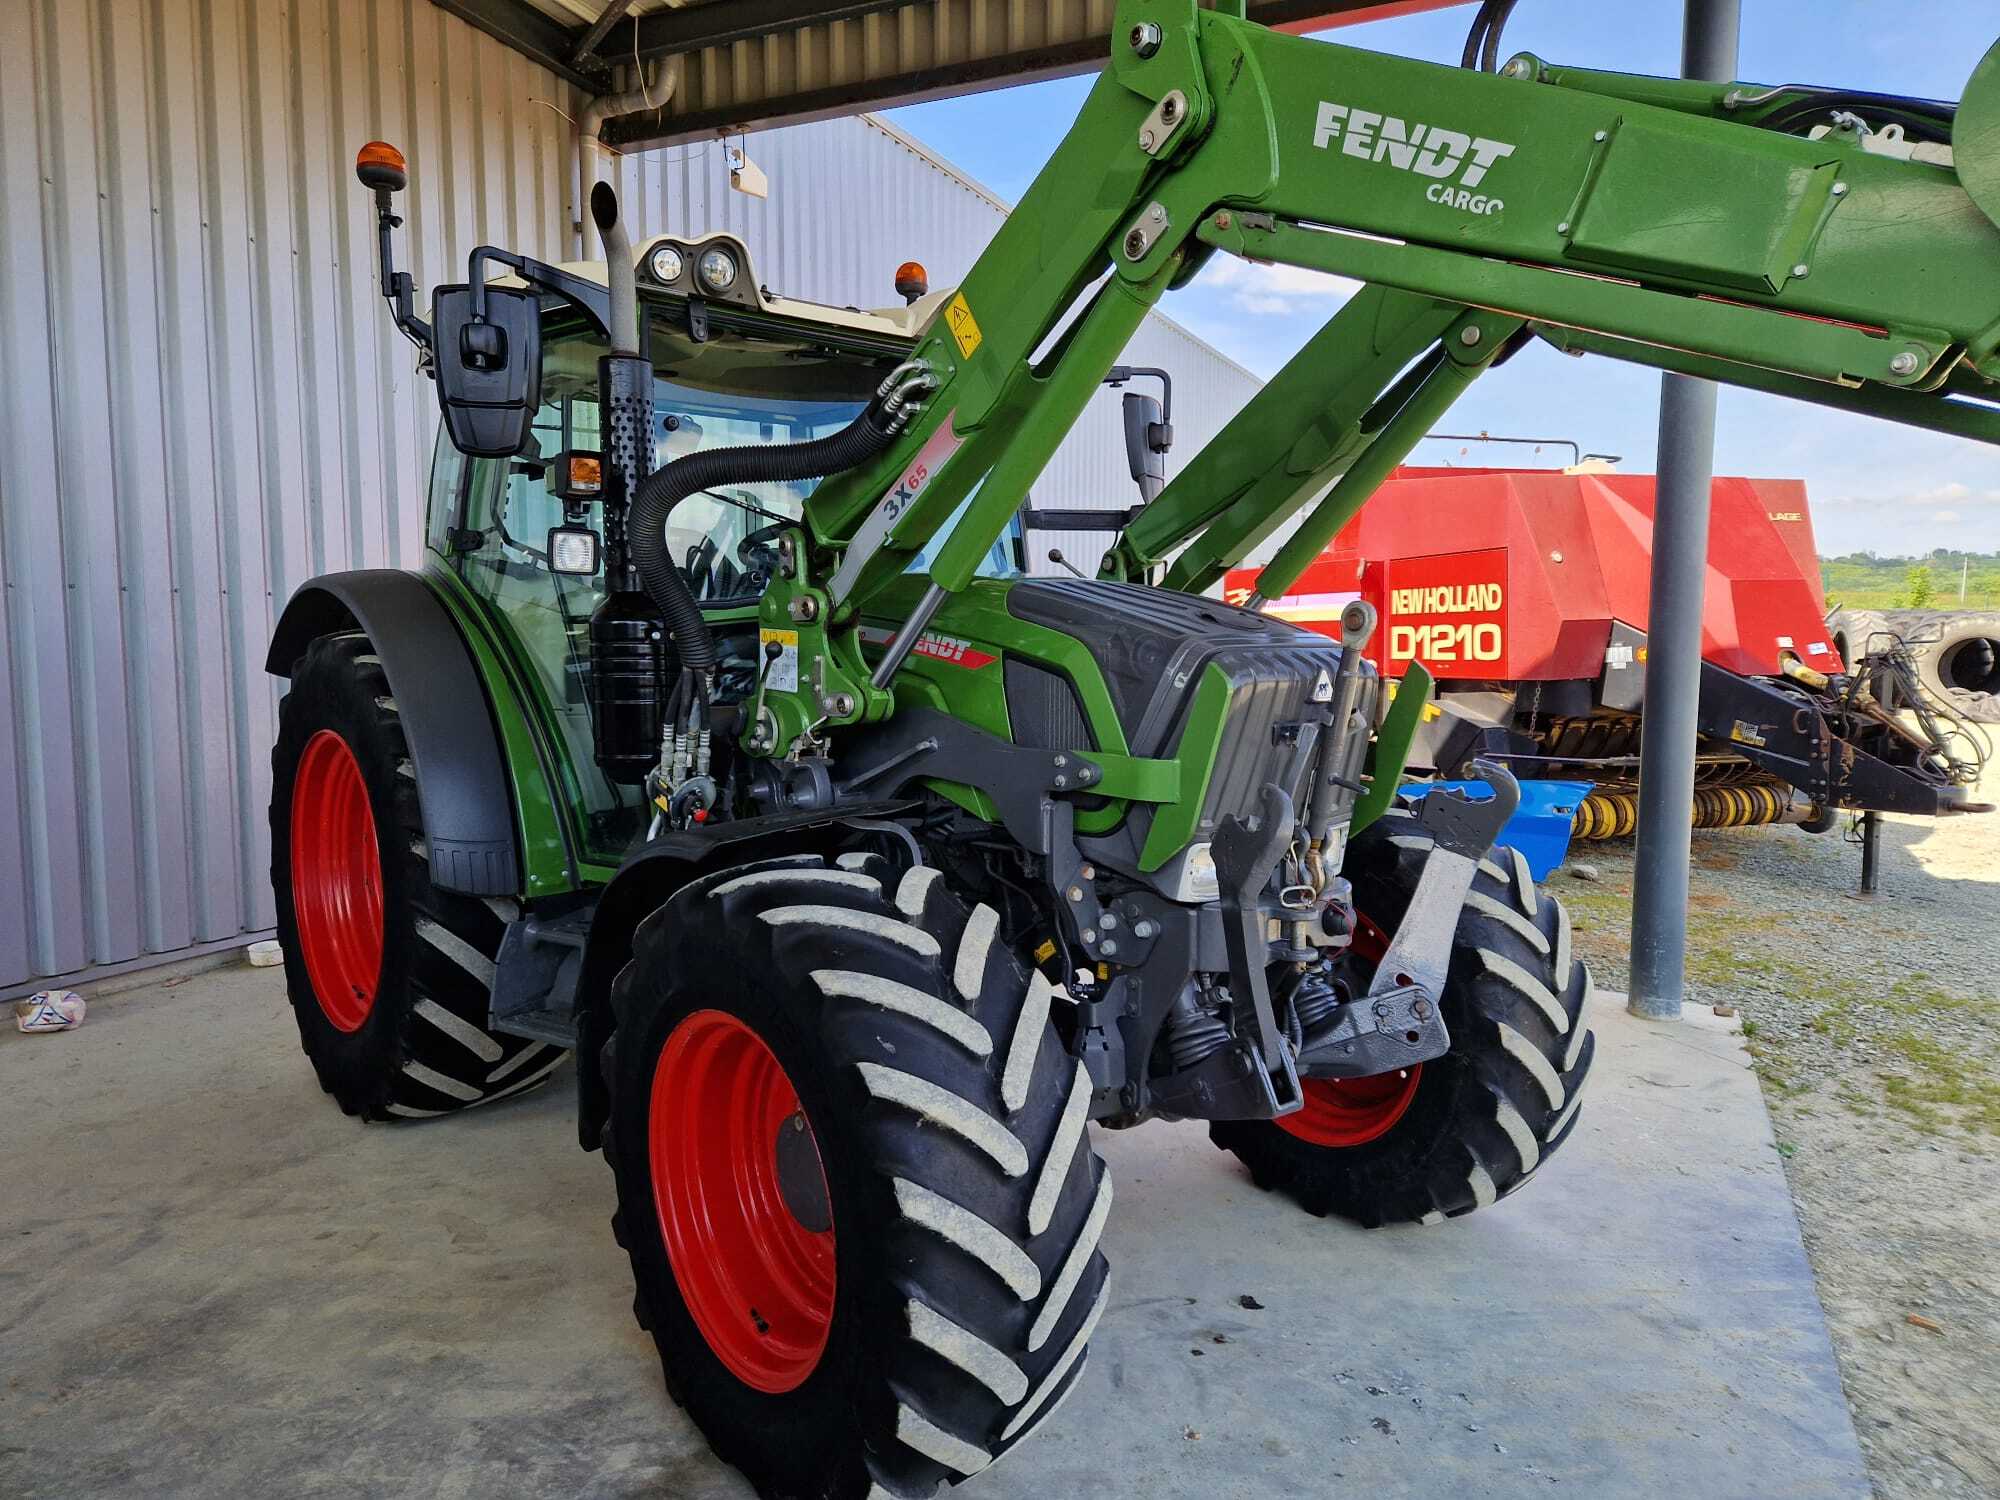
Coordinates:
x,y
1876,1029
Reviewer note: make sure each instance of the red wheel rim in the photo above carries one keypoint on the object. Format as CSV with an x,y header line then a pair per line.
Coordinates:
x,y
1354,1111
758,1282
336,881
1351,1111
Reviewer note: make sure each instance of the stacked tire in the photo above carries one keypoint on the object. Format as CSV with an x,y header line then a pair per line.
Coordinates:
x,y
1957,653
1959,663
1856,632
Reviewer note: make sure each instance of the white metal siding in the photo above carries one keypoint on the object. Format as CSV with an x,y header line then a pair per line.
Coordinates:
x,y
202,405
202,402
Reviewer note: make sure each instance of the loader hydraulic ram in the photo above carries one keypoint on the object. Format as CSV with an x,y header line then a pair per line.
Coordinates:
x,y
918,866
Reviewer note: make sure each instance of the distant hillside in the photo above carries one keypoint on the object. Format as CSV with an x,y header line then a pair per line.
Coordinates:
x,y
1861,580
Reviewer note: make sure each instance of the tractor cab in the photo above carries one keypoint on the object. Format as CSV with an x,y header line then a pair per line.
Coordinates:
x,y
733,366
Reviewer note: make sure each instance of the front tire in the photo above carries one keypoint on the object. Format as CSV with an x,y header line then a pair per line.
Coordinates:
x,y
389,978
853,1177
1472,1126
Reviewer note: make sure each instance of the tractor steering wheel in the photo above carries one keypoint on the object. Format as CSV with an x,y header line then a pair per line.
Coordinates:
x,y
758,551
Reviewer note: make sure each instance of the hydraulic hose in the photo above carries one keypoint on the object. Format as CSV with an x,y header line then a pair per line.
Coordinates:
x,y
663,489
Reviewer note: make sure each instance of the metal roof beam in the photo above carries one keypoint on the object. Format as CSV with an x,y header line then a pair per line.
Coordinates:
x,y
529,32
750,64
608,17
694,27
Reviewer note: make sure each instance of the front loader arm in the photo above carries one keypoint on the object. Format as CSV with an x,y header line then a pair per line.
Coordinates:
x,y
1292,437
1667,227
1656,220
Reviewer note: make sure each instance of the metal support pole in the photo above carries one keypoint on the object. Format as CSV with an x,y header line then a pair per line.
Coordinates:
x,y
1673,632
1871,854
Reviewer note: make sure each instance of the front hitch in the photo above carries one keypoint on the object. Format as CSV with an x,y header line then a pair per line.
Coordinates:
x,y
1462,831
1398,1024
1245,854
1385,1030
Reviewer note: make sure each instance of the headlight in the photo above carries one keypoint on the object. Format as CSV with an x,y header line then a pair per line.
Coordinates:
x,y
1198,881
667,263
572,549
718,269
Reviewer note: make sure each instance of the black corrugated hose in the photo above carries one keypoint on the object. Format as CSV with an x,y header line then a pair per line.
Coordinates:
x,y
856,443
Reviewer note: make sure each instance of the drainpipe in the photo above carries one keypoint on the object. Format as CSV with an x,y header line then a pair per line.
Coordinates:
x,y
590,148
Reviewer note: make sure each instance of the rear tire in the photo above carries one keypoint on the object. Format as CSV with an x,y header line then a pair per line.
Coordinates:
x,y
1475,1124
960,1198
389,977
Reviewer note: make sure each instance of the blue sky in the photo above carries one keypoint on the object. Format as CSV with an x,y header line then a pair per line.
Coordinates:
x,y
1873,485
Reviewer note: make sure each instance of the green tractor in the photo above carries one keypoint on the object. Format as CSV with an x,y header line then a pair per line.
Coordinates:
x,y
722,741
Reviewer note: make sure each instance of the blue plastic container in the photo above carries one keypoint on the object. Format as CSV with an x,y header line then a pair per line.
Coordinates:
x,y
1540,827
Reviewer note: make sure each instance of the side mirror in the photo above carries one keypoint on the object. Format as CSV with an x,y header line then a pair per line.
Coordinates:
x,y
489,370
1147,439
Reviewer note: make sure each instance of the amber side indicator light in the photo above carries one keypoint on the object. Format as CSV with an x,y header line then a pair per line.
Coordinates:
x,y
577,475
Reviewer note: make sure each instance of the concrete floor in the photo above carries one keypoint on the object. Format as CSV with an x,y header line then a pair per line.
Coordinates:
x,y
214,1284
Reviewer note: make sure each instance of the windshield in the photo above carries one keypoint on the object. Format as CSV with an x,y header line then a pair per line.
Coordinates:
x,y
1004,559
731,389
725,540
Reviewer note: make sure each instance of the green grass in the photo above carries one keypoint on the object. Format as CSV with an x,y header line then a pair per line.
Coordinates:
x,y
1909,1076
1858,1101
1943,1087
1836,1024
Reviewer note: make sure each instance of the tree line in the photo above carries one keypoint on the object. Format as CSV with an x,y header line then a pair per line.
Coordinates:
x,y
1861,580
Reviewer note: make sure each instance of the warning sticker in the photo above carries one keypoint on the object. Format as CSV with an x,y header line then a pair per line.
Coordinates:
x,y
782,676
964,327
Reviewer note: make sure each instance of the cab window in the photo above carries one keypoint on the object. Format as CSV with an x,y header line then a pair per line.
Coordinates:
x,y
724,540
727,391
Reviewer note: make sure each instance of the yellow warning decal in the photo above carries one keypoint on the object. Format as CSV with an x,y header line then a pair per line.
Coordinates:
x,y
781,672
1046,951
964,327
1430,710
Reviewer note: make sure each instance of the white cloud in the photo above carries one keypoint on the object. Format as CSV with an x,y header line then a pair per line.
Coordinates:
x,y
1949,495
1944,516
1264,290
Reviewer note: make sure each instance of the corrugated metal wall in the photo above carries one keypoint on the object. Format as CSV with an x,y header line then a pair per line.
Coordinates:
x,y
202,402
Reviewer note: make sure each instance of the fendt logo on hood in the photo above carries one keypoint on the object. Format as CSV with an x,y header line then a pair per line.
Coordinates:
x,y
1426,150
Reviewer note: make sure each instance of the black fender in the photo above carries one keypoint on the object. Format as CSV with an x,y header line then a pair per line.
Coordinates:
x,y
467,800
648,879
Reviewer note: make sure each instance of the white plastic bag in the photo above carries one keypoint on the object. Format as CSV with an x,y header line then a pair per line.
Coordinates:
x,y
51,1010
